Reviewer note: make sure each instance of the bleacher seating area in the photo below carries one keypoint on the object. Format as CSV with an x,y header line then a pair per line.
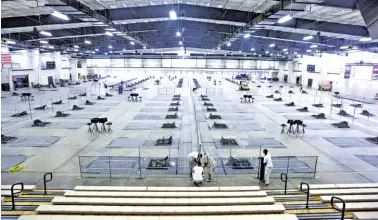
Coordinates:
x,y
177,203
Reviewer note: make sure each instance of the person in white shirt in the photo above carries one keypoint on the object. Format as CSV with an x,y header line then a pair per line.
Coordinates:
x,y
197,174
194,158
268,166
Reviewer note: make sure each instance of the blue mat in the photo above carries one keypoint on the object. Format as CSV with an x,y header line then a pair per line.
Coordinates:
x,y
345,142
9,161
371,159
33,141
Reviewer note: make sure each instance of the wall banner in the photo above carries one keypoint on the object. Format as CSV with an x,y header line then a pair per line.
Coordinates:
x,y
374,76
347,71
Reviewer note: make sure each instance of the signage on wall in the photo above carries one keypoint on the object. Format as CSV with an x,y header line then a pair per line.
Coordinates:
x,y
347,71
375,73
6,58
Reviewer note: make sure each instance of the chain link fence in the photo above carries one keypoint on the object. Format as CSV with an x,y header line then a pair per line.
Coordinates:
x,y
121,167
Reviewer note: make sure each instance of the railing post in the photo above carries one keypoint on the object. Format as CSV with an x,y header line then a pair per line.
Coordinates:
x,y
284,180
81,175
110,167
46,181
14,193
316,165
342,210
140,165
308,192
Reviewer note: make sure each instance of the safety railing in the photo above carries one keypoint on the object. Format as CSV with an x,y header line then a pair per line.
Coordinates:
x,y
141,166
45,181
342,210
13,193
308,192
285,181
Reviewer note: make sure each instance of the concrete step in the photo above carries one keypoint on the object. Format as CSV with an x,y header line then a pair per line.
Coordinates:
x,y
71,193
159,210
26,187
197,217
365,215
352,198
167,189
359,206
320,192
341,186
159,202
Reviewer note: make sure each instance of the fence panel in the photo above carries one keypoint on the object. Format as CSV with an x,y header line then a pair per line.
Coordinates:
x,y
121,167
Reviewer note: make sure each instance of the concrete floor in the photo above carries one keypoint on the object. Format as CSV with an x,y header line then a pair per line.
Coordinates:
x,y
335,164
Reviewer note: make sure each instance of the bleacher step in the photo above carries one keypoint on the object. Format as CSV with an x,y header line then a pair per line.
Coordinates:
x,y
197,217
159,210
336,215
320,192
359,206
160,201
365,215
17,187
19,208
341,186
352,198
71,193
168,189
303,206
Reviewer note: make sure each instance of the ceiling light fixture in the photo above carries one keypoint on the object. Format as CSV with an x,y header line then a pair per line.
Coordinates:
x,y
344,47
284,50
247,35
60,15
178,34
108,33
132,43
266,51
180,42
365,39
110,47
144,47
124,50
10,42
314,46
228,44
219,48
309,37
51,47
240,51
252,49
272,45
93,52
45,33
284,19
173,15
43,42
106,53
110,29
96,49
308,51
87,42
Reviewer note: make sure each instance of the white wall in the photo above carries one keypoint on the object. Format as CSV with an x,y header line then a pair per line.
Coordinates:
x,y
331,67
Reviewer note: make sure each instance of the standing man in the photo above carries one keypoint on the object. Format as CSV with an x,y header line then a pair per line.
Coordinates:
x,y
268,166
209,165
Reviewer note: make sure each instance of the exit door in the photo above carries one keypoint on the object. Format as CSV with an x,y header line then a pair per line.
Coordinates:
x,y
309,83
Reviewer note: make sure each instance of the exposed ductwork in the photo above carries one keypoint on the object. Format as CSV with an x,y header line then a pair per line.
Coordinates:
x,y
369,11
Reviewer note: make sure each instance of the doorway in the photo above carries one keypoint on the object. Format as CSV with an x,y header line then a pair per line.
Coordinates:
x,y
309,83
285,78
298,80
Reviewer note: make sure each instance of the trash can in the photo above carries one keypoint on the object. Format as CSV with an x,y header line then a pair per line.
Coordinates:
x,y
262,168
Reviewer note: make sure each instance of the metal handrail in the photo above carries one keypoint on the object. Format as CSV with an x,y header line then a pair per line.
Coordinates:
x,y
284,180
308,192
15,193
342,210
46,181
